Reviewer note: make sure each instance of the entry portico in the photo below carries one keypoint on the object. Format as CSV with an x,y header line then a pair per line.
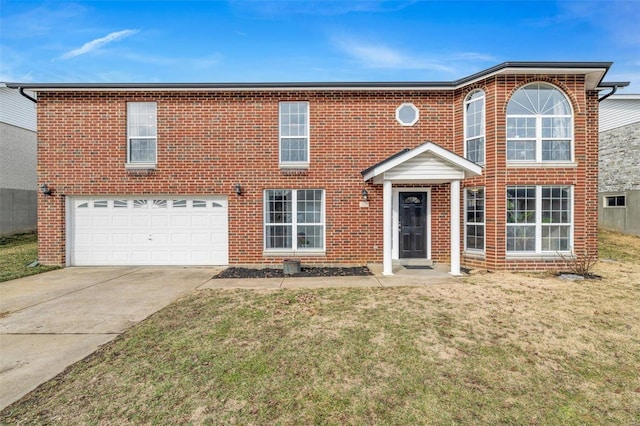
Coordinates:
x,y
413,169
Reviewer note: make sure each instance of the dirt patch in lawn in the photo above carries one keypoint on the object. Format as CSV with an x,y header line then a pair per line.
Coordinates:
x,y
305,271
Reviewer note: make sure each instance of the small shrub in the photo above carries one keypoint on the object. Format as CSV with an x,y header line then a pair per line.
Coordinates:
x,y
580,265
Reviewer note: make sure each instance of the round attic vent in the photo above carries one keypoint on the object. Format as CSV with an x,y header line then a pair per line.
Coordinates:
x,y
407,114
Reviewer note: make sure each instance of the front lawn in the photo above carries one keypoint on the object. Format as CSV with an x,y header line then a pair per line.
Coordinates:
x,y
497,348
16,253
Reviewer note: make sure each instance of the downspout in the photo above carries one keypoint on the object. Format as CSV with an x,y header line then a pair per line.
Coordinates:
x,y
21,90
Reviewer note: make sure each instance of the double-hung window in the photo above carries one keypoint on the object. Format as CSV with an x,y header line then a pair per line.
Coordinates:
x,y
539,125
539,219
294,220
474,128
294,134
142,134
474,219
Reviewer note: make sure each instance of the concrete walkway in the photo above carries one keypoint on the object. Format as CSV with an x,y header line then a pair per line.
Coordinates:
x,y
52,320
402,278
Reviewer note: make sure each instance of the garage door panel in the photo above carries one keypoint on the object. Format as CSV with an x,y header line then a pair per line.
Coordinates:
x,y
199,220
138,238
149,231
200,257
138,219
120,238
157,220
179,238
160,238
179,220
203,238
100,221
101,239
120,220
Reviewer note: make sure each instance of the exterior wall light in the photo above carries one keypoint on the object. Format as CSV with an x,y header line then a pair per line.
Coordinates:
x,y
44,188
365,195
238,189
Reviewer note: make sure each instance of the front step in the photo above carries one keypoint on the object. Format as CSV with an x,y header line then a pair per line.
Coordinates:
x,y
413,262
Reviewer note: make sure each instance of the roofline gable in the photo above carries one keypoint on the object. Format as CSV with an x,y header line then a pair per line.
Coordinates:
x,y
467,166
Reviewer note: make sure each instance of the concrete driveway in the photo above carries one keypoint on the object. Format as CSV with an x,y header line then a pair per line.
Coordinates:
x,y
52,320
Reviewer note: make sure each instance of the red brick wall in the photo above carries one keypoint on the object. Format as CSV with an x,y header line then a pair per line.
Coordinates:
x,y
207,142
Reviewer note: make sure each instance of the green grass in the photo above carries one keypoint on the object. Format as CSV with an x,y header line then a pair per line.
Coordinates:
x,y
498,348
16,252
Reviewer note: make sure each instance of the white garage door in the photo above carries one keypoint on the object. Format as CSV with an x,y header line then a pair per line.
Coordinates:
x,y
148,231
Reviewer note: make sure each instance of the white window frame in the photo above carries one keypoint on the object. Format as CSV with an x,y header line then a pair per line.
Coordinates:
x,y
467,139
294,164
141,164
538,223
483,223
415,118
294,224
606,204
538,130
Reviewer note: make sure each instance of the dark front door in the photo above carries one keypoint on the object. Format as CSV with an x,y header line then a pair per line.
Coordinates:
x,y
413,225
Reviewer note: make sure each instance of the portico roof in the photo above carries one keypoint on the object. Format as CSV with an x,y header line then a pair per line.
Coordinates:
x,y
427,163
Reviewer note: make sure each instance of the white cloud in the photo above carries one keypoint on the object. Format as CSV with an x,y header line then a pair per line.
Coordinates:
x,y
98,43
380,56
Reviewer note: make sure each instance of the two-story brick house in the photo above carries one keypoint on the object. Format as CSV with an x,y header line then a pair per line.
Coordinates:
x,y
498,170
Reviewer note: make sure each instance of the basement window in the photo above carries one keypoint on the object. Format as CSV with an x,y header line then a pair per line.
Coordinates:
x,y
615,201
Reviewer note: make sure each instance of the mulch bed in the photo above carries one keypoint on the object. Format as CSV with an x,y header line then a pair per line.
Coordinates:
x,y
305,271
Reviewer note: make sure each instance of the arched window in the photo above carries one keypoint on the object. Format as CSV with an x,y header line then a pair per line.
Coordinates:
x,y
474,126
539,125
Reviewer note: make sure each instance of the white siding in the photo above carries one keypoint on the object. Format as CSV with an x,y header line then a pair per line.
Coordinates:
x,y
425,167
17,110
18,152
619,110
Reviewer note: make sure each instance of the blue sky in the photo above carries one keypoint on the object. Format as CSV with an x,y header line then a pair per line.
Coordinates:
x,y
255,41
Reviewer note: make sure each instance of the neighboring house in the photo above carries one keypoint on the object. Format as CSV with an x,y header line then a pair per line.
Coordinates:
x,y
18,143
497,170
619,182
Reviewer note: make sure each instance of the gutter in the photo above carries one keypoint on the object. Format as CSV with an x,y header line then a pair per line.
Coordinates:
x,y
614,86
598,69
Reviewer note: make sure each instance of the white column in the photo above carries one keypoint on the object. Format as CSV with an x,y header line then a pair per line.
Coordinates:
x,y
455,228
387,211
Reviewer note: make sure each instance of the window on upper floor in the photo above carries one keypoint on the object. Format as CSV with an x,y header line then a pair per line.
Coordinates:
x,y
142,134
539,125
294,134
474,128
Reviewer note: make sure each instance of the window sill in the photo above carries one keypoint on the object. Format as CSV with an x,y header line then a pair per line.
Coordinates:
x,y
140,166
540,256
297,166
473,254
296,253
545,164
